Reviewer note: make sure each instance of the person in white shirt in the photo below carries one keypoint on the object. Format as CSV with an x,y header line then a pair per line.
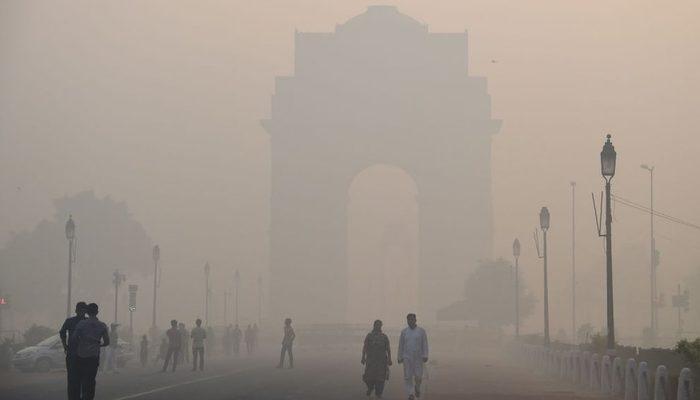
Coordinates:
x,y
413,353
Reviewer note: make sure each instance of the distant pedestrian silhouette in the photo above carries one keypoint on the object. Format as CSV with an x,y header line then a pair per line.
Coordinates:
x,y
198,335
143,351
287,342
174,344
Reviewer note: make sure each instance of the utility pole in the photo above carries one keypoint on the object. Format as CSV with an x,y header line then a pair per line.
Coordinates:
x,y
573,263
236,285
260,300
132,307
681,301
207,270
117,280
654,324
227,294
70,235
156,258
516,256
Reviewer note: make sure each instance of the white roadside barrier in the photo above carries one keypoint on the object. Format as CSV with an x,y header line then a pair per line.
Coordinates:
x,y
618,377
661,384
586,369
685,385
631,379
576,368
605,375
595,374
611,377
643,382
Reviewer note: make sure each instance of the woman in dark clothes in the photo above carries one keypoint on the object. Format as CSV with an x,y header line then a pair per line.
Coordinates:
x,y
376,357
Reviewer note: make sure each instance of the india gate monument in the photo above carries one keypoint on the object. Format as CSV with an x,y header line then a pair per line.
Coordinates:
x,y
379,90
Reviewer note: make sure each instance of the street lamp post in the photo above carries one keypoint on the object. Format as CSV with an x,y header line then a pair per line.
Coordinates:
x,y
156,258
259,300
573,262
117,280
544,225
207,270
652,259
516,256
70,235
236,286
608,158
227,294
132,307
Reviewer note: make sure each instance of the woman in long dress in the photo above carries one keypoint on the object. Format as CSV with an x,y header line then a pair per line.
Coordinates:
x,y
376,357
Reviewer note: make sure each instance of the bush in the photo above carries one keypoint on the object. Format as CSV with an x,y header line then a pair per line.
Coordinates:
x,y
689,350
37,333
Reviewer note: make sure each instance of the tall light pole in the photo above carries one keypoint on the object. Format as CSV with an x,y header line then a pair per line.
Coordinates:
x,y
236,286
544,225
516,256
608,158
118,278
132,307
207,270
156,259
652,257
259,300
573,262
227,294
70,235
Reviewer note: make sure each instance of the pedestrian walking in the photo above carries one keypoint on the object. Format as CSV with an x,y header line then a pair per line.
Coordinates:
x,y
287,342
70,347
198,335
174,344
237,334
413,353
376,357
91,334
143,351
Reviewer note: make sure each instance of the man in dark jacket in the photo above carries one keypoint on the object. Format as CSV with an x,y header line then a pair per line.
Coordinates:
x,y
91,334
174,344
67,334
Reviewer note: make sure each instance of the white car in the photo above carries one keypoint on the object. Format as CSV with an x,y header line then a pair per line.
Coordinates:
x,y
48,354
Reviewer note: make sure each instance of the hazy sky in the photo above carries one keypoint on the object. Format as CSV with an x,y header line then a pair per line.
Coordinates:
x,y
158,104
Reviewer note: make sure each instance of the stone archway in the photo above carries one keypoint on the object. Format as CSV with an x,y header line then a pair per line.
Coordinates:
x,y
381,89
382,248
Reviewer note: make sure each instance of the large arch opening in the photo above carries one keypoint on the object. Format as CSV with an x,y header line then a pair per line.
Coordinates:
x,y
383,243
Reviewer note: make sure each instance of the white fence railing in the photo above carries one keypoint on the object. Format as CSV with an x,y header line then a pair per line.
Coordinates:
x,y
603,375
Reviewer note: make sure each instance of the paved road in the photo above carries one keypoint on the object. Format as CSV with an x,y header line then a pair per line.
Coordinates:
x,y
328,375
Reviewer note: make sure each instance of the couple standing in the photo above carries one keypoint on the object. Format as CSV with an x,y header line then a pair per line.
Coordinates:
x,y
413,353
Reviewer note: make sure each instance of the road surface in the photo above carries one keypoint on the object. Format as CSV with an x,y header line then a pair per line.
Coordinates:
x,y
327,374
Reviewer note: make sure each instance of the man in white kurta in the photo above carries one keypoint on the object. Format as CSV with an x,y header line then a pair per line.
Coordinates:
x,y
413,353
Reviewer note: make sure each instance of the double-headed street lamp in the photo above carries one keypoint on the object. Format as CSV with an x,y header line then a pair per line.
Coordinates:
x,y
70,235
608,158
516,256
156,258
